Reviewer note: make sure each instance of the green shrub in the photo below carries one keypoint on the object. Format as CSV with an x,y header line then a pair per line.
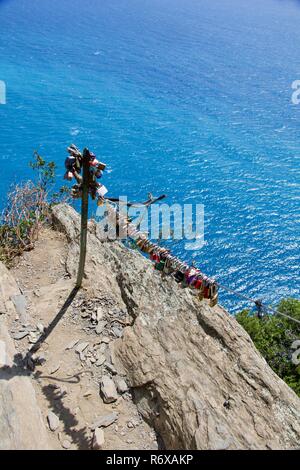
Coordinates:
x,y
273,335
27,209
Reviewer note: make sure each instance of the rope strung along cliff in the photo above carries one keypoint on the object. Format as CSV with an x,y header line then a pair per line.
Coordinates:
x,y
165,262
185,275
190,276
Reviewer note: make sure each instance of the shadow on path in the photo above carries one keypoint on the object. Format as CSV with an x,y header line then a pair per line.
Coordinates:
x,y
79,437
54,322
25,366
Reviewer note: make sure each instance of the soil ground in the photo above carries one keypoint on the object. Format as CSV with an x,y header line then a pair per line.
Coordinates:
x,y
65,383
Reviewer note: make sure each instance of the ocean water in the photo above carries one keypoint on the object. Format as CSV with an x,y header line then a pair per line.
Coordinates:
x,y
191,98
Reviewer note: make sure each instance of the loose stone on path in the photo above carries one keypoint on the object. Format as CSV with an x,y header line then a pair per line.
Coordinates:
x,y
108,390
53,421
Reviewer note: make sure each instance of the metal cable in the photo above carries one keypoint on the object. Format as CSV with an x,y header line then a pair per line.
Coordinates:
x,y
263,306
259,304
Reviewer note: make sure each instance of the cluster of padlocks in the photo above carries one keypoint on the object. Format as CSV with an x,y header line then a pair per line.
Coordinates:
x,y
185,275
74,164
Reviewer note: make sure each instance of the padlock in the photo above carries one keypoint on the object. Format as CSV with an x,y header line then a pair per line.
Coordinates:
x,y
68,175
159,266
213,294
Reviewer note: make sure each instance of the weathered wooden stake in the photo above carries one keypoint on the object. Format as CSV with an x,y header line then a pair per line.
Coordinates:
x,y
84,215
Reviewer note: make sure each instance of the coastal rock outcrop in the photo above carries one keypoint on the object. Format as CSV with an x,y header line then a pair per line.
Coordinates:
x,y
195,373
21,424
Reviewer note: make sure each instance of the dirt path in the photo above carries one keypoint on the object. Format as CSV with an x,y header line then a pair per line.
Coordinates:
x,y
67,383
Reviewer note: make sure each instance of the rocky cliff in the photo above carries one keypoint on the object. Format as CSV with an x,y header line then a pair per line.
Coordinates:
x,y
19,411
194,373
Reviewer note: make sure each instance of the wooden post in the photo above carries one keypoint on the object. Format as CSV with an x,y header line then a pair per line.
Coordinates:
x,y
84,215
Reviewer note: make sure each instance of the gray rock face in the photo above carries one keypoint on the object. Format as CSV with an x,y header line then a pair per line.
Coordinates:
x,y
194,371
21,424
105,421
66,444
100,327
53,421
20,335
108,390
98,439
121,385
3,355
19,302
99,314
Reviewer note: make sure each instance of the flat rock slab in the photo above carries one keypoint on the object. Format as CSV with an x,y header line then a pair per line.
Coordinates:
x,y
98,439
19,302
105,421
20,335
100,359
66,444
99,314
121,385
108,390
3,356
72,344
21,424
81,347
53,421
100,327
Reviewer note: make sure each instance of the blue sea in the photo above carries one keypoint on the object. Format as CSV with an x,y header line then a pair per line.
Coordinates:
x,y
191,98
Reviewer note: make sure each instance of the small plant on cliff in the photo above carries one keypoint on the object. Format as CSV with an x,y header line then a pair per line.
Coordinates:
x,y
27,209
274,335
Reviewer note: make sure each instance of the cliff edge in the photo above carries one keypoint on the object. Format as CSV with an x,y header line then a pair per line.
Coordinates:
x,y
195,373
134,361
